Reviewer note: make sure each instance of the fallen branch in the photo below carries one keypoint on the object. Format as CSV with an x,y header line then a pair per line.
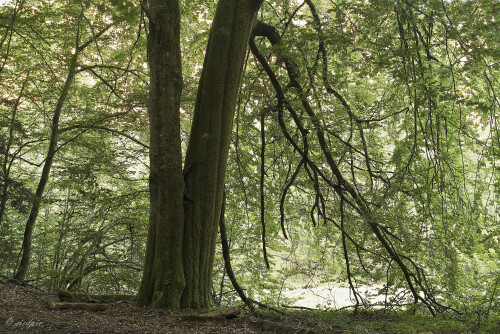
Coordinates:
x,y
94,307
218,315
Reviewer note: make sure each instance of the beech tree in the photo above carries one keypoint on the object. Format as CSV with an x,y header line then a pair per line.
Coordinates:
x,y
185,202
51,151
46,81
351,179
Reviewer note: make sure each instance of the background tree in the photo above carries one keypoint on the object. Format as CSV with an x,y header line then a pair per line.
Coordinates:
x,y
98,105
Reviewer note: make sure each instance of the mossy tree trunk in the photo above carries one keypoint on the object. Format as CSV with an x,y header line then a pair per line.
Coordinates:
x,y
163,276
206,157
186,204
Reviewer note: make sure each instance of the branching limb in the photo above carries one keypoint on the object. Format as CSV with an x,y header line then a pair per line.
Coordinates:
x,y
283,196
342,187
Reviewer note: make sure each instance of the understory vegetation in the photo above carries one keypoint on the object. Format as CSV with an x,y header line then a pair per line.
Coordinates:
x,y
382,322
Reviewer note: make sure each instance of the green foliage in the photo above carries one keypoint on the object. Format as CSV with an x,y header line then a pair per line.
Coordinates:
x,y
424,98
420,145
91,227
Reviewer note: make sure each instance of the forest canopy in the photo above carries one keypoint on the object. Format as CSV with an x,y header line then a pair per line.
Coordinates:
x,y
364,149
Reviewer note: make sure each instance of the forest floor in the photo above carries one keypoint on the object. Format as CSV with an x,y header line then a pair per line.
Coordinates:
x,y
26,309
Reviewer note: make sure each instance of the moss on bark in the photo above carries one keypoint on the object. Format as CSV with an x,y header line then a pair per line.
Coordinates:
x,y
185,206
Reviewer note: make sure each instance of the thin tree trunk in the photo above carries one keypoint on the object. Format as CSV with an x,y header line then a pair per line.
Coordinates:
x,y
6,164
49,159
35,208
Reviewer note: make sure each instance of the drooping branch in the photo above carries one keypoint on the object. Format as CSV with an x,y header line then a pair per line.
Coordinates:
x,y
262,180
357,297
347,191
283,196
227,258
229,269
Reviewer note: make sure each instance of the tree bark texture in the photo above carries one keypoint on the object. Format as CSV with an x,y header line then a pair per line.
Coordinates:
x,y
163,276
185,204
206,157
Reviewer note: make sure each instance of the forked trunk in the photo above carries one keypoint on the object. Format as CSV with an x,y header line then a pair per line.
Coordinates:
x,y
183,222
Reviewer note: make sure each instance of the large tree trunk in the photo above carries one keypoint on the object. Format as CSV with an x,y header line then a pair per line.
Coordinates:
x,y
206,157
163,277
183,222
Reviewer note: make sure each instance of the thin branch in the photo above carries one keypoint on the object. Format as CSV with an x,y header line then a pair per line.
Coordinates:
x,y
262,180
